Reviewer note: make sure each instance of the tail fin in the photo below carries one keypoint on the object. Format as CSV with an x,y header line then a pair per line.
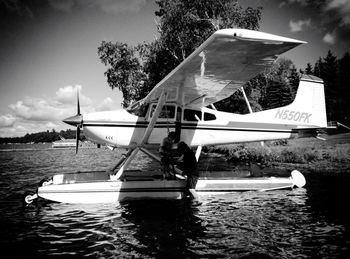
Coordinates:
x,y
309,107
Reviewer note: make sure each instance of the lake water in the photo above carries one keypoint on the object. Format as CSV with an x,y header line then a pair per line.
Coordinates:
x,y
311,222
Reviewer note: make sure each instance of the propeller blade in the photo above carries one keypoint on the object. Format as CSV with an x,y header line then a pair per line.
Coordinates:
x,y
77,137
78,126
78,104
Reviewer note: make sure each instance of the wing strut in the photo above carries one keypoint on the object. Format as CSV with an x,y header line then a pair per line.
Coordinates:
x,y
132,152
198,152
249,108
246,100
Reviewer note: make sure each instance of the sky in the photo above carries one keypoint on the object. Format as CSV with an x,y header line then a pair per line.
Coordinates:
x,y
48,50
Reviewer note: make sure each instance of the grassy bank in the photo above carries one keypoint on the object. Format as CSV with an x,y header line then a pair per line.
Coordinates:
x,y
309,153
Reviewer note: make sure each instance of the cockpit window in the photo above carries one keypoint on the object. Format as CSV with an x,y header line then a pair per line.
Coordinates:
x,y
209,116
192,115
168,112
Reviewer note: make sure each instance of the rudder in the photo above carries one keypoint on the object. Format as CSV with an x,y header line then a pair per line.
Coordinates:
x,y
309,107
310,98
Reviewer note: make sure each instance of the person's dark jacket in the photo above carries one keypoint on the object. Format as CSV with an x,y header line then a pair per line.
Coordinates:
x,y
190,163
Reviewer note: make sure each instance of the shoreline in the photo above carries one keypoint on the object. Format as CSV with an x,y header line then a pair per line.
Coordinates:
x,y
309,155
270,169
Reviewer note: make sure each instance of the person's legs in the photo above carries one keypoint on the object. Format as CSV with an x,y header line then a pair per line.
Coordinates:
x,y
172,164
192,182
166,170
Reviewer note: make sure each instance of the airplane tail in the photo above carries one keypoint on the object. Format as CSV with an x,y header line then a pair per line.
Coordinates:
x,y
308,110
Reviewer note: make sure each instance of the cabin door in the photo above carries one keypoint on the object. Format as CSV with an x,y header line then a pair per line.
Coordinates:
x,y
166,122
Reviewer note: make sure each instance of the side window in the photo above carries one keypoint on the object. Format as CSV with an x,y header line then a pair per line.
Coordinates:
x,y
209,116
139,110
192,115
168,112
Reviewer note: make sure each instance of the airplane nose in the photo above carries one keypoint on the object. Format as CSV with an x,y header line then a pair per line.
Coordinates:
x,y
74,120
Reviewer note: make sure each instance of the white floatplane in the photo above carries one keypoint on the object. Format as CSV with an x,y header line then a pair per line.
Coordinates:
x,y
179,103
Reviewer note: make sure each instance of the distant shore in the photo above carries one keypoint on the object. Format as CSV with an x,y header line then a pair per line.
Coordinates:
x,y
307,154
282,156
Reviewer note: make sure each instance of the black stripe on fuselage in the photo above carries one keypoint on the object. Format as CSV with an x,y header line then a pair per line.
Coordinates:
x,y
187,126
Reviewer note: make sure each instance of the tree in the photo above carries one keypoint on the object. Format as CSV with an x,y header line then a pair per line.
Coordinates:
x,y
335,74
294,79
182,25
124,69
344,89
318,68
281,84
329,74
272,88
278,93
308,69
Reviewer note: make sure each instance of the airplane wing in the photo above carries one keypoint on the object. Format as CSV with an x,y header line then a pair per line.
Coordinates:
x,y
220,66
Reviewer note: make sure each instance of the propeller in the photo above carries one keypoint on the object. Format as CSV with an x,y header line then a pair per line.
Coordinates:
x,y
77,136
76,120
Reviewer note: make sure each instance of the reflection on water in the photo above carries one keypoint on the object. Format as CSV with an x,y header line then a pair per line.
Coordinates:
x,y
312,222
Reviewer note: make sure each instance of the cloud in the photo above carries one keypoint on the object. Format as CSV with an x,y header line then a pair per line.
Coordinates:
x,y
342,9
114,7
38,109
7,120
106,105
329,38
301,2
68,95
18,7
62,105
118,7
108,6
335,12
290,2
51,125
33,114
23,127
14,131
62,5
296,26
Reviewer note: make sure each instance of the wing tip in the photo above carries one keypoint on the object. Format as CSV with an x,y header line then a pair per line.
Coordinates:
x,y
254,35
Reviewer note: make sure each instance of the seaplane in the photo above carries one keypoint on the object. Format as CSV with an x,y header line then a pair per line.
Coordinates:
x,y
183,102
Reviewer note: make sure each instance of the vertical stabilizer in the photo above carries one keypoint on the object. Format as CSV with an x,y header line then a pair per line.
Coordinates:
x,y
310,99
308,110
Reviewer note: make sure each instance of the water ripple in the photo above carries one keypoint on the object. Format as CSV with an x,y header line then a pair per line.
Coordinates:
x,y
301,223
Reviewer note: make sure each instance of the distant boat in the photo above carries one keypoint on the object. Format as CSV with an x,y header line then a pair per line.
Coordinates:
x,y
64,143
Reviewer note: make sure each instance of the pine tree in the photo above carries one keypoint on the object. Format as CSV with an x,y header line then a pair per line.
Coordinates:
x,y
344,89
308,69
278,93
329,74
294,79
318,68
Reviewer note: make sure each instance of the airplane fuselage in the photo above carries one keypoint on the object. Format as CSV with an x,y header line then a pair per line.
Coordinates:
x,y
122,129
200,127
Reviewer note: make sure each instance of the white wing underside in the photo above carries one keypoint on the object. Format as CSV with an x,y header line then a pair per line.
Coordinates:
x,y
220,66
